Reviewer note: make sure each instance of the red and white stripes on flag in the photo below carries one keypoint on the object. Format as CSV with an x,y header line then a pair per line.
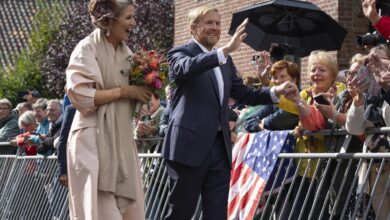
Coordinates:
x,y
254,158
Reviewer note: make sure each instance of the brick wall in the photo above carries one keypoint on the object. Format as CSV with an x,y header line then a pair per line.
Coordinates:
x,y
347,12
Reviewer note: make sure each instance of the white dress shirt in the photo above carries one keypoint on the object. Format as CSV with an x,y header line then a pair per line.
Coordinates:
x,y
217,70
218,73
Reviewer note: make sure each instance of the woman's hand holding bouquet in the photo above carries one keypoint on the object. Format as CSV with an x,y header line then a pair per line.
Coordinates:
x,y
138,93
148,69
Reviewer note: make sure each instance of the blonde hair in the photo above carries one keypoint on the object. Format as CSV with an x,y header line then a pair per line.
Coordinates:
x,y
325,58
357,58
196,13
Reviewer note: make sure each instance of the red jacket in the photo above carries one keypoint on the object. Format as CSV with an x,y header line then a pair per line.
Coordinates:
x,y
383,27
31,149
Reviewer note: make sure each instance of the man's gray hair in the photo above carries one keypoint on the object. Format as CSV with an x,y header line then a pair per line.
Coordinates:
x,y
40,103
56,103
26,105
27,118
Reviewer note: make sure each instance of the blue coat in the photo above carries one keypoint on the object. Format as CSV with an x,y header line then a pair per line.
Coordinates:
x,y
63,138
274,119
196,112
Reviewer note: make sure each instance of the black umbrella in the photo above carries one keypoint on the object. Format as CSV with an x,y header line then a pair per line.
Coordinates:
x,y
300,25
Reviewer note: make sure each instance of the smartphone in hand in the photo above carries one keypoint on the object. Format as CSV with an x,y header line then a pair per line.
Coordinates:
x,y
363,76
365,81
321,99
146,119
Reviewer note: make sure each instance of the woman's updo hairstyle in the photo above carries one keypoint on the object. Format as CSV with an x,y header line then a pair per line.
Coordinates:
x,y
104,12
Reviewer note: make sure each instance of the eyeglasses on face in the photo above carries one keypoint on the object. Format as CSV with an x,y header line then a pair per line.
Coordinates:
x,y
350,73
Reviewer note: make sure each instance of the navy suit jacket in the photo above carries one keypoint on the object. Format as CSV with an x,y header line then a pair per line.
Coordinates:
x,y
67,120
195,111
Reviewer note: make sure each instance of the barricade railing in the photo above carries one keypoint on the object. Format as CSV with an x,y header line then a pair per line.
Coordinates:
x,y
343,186
29,187
155,179
335,192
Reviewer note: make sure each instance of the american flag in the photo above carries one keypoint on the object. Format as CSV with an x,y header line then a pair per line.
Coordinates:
x,y
254,158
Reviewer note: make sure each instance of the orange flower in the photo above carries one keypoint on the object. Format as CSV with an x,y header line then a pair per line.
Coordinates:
x,y
150,77
154,63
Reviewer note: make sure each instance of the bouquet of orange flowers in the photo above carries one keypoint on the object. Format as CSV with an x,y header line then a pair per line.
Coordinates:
x,y
149,69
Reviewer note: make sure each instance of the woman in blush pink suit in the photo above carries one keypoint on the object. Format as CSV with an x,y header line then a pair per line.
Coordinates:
x,y
103,167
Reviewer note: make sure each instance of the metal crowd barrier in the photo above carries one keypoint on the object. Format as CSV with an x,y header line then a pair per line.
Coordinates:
x,y
304,198
29,187
344,185
155,179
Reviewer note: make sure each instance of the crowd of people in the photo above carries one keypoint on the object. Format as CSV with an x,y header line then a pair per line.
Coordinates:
x,y
33,126
96,138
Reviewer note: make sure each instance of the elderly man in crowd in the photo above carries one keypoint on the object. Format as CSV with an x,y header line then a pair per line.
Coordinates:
x,y
8,124
22,108
41,115
54,116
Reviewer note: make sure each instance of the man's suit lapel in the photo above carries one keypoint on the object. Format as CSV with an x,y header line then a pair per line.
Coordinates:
x,y
197,50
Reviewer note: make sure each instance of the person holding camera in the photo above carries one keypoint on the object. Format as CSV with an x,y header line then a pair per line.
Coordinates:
x,y
263,66
29,141
148,125
380,23
265,59
342,103
374,111
323,69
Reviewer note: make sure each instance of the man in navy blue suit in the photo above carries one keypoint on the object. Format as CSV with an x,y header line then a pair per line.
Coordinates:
x,y
197,144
